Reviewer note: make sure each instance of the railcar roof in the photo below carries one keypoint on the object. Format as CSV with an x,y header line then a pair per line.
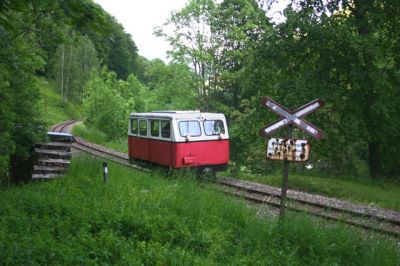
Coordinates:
x,y
177,114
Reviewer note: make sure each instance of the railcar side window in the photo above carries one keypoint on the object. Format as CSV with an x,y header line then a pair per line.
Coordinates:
x,y
190,128
143,127
214,127
155,128
165,129
134,126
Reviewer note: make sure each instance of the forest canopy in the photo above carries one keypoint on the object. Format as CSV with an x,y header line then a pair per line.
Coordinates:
x,y
225,55
45,40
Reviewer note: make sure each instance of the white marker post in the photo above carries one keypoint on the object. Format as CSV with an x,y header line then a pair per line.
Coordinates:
x,y
105,172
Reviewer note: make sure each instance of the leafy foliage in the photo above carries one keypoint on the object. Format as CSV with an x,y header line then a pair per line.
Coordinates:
x,y
20,124
60,39
226,55
103,104
343,52
317,55
171,86
115,47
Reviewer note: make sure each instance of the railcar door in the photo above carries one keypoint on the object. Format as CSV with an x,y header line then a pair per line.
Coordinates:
x,y
160,142
133,138
142,145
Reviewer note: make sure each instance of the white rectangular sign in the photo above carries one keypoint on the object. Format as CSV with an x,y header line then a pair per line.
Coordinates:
x,y
288,150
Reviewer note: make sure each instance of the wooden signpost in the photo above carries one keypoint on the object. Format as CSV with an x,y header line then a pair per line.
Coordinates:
x,y
288,149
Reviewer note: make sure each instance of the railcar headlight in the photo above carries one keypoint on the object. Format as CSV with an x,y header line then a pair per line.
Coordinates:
x,y
188,137
221,135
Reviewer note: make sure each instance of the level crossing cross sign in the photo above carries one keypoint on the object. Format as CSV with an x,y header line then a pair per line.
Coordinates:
x,y
295,117
284,150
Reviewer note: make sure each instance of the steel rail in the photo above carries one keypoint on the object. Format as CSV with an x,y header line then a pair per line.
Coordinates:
x,y
366,221
314,200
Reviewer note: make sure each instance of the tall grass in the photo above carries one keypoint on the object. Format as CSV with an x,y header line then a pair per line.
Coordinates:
x,y
145,218
375,193
52,108
98,137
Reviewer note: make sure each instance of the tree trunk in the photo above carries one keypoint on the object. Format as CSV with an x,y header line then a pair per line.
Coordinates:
x,y
204,87
62,70
68,74
375,164
361,10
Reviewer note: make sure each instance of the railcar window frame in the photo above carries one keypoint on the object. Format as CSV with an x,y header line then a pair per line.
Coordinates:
x,y
140,129
198,134
165,132
137,126
212,132
152,130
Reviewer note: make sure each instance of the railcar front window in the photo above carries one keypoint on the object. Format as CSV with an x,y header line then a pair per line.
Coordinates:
x,y
155,128
165,129
143,127
190,128
134,126
214,127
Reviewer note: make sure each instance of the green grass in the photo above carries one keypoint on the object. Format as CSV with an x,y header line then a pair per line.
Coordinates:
x,y
375,193
51,106
145,218
98,137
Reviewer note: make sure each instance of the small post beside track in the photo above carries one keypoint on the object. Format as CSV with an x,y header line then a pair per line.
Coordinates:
x,y
105,172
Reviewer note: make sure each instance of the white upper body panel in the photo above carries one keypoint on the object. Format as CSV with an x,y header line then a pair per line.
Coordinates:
x,y
185,126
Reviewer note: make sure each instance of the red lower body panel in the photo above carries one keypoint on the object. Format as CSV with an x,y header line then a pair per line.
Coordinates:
x,y
179,155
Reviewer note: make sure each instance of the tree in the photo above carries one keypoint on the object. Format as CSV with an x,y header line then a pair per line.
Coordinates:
x,y
345,53
236,26
20,59
104,106
73,64
30,34
171,86
115,47
191,43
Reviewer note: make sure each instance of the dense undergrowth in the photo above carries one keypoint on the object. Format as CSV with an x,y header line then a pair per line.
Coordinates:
x,y
146,218
53,109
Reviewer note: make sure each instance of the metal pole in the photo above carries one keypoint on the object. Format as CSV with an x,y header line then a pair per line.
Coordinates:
x,y
105,172
285,178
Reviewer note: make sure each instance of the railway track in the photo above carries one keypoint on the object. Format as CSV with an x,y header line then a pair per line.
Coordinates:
x,y
371,218
94,149
61,127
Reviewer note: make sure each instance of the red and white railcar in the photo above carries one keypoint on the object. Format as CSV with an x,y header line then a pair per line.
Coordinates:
x,y
180,139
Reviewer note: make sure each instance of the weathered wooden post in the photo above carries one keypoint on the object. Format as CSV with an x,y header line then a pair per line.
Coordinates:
x,y
285,177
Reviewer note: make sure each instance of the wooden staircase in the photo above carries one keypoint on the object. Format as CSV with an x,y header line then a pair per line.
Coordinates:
x,y
53,160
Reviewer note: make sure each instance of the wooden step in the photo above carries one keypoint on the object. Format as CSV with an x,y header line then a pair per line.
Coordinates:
x,y
53,153
52,169
53,162
45,176
61,146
